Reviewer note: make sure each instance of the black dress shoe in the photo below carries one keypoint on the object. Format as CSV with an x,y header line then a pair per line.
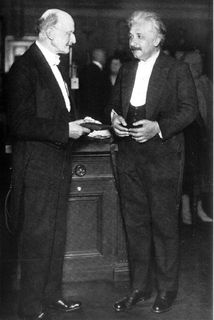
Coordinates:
x,y
41,316
163,302
65,306
128,302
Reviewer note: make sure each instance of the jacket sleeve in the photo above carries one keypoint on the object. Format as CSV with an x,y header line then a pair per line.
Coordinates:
x,y
186,109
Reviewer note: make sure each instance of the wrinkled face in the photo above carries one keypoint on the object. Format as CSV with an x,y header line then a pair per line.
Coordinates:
x,y
63,35
115,66
143,39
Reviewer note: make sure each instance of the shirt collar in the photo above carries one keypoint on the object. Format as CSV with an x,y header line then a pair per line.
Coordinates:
x,y
151,60
52,58
98,64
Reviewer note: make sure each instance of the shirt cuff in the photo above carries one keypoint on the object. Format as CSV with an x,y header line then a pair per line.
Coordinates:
x,y
113,113
159,131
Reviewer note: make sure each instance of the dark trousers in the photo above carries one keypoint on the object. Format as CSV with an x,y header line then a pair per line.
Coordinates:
x,y
42,243
150,179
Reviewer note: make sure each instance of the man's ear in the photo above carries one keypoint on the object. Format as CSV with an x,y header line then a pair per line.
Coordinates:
x,y
50,33
157,41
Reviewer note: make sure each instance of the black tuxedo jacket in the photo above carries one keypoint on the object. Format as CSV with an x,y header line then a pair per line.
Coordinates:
x,y
171,96
38,124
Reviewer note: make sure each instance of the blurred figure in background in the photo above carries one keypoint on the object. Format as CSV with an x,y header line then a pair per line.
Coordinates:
x,y
93,86
114,65
198,140
179,54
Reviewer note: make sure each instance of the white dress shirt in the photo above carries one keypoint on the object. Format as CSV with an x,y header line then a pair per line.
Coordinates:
x,y
144,70
53,60
139,92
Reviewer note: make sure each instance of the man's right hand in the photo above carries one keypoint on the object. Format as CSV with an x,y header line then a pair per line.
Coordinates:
x,y
76,130
120,126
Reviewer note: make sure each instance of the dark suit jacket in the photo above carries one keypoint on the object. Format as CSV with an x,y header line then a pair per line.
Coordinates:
x,y
150,173
38,123
171,96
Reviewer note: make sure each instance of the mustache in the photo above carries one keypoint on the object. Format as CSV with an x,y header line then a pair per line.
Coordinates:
x,y
132,48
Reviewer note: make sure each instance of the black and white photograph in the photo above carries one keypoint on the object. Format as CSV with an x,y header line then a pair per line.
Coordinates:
x,y
106,160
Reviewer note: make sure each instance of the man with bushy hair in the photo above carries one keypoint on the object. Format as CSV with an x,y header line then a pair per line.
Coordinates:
x,y
153,100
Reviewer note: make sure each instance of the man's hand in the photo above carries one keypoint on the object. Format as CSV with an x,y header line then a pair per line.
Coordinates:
x,y
147,130
119,125
76,130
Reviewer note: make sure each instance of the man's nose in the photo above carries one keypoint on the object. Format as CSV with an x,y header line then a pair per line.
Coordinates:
x,y
132,42
72,39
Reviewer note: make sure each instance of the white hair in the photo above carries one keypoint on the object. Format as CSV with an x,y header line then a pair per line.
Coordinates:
x,y
138,16
49,19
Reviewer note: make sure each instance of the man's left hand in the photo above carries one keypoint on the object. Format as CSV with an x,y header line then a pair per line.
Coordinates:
x,y
147,129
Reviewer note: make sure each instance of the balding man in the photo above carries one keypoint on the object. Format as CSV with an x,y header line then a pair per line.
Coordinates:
x,y
153,100
43,126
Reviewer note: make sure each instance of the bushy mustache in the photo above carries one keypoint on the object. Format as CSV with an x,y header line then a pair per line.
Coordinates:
x,y
134,48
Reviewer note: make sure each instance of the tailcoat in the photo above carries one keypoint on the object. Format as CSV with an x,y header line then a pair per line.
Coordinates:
x,y
41,159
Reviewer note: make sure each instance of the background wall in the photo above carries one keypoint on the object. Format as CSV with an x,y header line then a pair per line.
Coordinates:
x,y
101,23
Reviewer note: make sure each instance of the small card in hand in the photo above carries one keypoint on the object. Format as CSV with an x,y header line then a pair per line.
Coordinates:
x,y
95,126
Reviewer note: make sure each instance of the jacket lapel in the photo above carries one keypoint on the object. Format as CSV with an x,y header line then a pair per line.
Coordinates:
x,y
73,112
128,84
156,85
50,80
